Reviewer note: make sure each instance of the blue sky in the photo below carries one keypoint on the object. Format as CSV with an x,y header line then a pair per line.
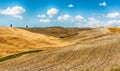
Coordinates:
x,y
65,13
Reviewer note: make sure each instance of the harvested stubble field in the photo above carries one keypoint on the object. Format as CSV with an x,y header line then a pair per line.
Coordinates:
x,y
89,50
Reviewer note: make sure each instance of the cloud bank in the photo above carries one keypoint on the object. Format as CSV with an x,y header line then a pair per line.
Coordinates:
x,y
110,19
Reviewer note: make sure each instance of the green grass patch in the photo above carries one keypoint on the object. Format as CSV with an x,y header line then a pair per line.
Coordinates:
x,y
17,55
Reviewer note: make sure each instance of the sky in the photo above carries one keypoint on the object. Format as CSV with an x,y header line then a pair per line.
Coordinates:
x,y
64,13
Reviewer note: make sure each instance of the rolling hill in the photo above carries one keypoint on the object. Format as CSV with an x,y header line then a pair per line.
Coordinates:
x,y
60,32
15,40
94,50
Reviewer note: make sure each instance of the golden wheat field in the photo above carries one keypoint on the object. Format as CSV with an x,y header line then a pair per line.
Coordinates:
x,y
95,49
14,40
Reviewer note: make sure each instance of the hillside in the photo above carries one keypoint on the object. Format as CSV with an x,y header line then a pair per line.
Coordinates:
x,y
94,50
14,40
57,31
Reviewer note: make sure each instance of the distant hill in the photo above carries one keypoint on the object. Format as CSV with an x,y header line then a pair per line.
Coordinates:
x,y
57,31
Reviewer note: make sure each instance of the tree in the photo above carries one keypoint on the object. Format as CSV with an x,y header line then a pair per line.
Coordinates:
x,y
10,25
26,26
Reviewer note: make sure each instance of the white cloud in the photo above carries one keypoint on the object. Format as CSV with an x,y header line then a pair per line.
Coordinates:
x,y
64,17
91,19
67,17
103,4
79,18
113,15
92,22
41,16
60,18
45,20
15,11
52,12
70,5
111,22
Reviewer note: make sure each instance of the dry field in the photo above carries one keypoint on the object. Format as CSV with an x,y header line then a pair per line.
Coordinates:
x,y
14,40
91,50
